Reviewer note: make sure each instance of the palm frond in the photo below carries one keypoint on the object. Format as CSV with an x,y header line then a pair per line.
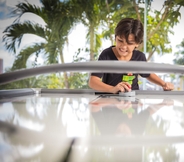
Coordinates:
x,y
52,52
13,34
26,7
24,55
98,41
60,18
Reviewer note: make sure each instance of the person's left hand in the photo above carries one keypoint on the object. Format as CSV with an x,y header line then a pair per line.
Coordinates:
x,y
168,86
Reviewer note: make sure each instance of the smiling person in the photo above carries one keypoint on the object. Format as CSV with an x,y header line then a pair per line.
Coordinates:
x,y
128,36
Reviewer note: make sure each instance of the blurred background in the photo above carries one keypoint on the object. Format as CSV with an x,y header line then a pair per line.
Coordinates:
x,y
41,32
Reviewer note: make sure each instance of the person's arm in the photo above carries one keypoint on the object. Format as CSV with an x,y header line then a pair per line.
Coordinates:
x,y
96,84
167,86
155,107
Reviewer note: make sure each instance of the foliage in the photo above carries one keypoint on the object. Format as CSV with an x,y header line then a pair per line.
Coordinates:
x,y
159,27
113,13
51,81
180,54
32,82
79,80
100,19
159,23
59,18
96,15
91,17
55,82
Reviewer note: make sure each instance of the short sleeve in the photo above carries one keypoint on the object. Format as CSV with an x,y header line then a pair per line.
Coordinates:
x,y
106,54
142,57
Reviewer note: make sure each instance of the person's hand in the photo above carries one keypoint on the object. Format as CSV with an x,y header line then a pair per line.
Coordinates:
x,y
122,87
123,104
167,102
168,86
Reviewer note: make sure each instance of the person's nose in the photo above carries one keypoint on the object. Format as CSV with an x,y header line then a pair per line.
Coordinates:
x,y
124,44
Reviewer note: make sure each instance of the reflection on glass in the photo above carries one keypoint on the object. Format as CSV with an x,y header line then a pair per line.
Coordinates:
x,y
123,116
75,117
46,123
37,130
127,117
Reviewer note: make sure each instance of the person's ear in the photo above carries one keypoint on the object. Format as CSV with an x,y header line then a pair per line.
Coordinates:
x,y
136,46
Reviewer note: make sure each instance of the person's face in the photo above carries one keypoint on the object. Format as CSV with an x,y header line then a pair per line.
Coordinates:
x,y
123,48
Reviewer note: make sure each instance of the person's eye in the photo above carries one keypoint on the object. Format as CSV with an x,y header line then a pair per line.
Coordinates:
x,y
131,43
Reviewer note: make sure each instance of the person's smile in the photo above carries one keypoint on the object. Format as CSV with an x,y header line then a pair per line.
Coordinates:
x,y
123,51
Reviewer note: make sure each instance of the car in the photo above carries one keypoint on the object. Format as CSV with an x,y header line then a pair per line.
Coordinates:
x,y
85,125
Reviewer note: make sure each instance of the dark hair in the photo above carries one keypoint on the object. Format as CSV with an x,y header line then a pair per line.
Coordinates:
x,y
129,26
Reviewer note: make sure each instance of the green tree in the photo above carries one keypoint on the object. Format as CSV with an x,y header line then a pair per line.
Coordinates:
x,y
59,18
159,23
179,58
112,14
91,18
179,54
98,16
51,81
79,80
95,14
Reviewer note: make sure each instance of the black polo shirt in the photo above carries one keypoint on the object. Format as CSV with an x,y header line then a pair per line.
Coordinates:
x,y
115,78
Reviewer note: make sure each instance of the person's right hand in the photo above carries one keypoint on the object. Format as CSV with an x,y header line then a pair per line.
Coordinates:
x,y
122,87
168,86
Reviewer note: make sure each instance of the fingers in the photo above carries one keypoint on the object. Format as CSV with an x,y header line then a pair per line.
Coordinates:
x,y
124,105
168,102
129,74
168,86
124,86
127,86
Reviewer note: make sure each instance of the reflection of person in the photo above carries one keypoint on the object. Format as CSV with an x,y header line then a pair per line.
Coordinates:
x,y
128,36
114,116
121,117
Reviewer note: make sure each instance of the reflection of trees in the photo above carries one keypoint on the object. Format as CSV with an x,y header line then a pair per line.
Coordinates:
x,y
45,115
49,112
157,127
161,153
38,110
168,152
41,113
75,116
180,114
160,127
79,108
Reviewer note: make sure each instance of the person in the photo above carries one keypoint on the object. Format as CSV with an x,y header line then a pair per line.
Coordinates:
x,y
113,114
128,36
121,117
